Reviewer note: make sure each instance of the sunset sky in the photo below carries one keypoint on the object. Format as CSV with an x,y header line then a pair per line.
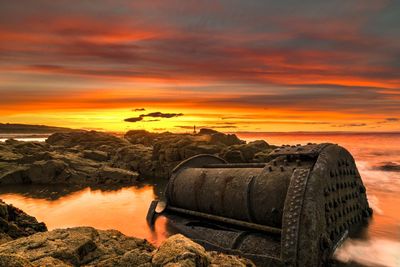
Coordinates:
x,y
230,65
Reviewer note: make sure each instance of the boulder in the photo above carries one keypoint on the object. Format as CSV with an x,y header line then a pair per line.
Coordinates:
x,y
15,223
12,260
109,175
86,246
178,250
79,246
389,167
136,158
234,156
95,155
88,140
246,153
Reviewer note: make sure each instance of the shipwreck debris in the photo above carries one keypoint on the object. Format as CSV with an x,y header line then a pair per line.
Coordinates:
x,y
293,210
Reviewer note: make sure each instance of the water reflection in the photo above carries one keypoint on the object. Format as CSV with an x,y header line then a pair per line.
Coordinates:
x,y
123,209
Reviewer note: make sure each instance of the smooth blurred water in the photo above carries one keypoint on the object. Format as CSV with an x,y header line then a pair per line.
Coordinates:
x,y
125,208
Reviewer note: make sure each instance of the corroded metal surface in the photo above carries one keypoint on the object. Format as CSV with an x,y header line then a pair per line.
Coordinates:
x,y
293,210
291,216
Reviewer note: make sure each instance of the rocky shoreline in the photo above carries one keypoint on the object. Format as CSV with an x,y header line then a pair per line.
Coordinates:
x,y
90,158
25,242
96,158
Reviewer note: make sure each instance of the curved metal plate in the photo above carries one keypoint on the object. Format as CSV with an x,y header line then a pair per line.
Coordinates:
x,y
291,219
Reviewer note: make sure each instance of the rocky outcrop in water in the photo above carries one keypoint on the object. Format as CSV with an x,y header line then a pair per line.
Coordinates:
x,y
389,167
61,163
169,149
93,158
86,246
14,223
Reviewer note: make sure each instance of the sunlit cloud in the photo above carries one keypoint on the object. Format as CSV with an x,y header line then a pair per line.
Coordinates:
x,y
326,64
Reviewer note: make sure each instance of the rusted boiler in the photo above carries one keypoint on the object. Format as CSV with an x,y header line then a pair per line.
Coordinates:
x,y
291,211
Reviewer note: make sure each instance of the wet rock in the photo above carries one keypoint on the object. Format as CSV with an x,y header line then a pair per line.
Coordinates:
x,y
389,167
15,223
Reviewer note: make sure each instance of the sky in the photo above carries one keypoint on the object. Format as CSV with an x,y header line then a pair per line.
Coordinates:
x,y
229,65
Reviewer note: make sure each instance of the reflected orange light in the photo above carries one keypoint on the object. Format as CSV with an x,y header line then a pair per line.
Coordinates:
x,y
124,210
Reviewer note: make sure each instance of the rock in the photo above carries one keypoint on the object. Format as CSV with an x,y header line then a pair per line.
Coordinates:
x,y
246,153
86,246
135,257
79,246
234,156
178,250
15,223
90,157
41,163
95,155
219,259
45,171
141,137
12,260
109,175
88,140
135,158
389,167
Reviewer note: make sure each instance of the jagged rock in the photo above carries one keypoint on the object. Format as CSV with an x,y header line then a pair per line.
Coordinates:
x,y
15,223
245,153
86,246
141,137
80,246
234,156
109,175
135,158
88,140
389,167
95,155
12,260
85,157
33,245
178,250
219,259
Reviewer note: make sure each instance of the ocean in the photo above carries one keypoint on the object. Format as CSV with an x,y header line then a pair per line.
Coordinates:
x,y
125,208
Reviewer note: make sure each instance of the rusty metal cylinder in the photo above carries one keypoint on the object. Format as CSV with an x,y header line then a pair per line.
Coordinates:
x,y
251,194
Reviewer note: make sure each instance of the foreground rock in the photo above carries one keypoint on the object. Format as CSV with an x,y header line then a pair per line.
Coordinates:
x,y
95,158
86,246
181,251
14,223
